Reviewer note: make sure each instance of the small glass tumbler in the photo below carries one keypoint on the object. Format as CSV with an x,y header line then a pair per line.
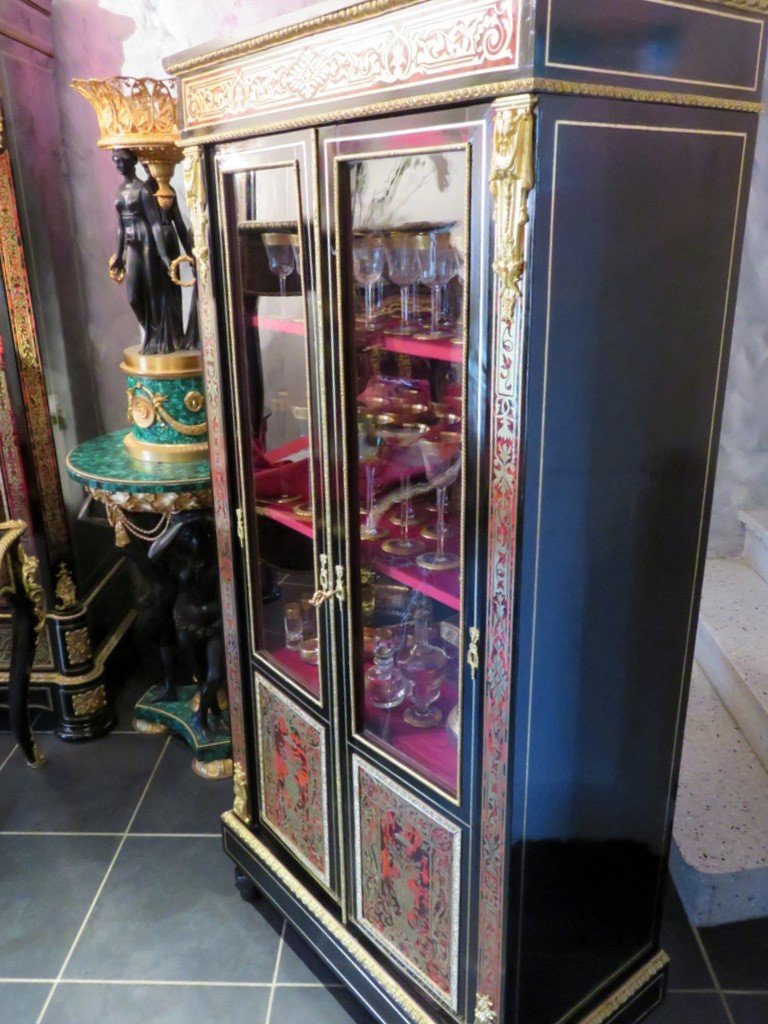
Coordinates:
x,y
293,630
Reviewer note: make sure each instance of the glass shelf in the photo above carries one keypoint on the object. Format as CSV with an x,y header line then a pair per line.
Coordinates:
x,y
273,323
283,514
404,312
440,349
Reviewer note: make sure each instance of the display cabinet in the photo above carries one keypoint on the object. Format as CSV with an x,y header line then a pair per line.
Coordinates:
x,y
467,273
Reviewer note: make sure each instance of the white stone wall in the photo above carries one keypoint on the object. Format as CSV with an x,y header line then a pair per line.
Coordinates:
x,y
742,469
95,39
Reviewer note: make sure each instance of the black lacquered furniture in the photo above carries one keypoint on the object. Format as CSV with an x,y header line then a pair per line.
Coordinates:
x,y
467,273
21,588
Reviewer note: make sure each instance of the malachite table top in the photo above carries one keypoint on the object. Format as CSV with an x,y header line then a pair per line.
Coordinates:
x,y
103,463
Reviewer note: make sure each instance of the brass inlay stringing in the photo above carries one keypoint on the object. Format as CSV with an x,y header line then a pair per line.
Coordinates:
x,y
241,806
326,920
484,1011
240,520
630,988
335,19
194,183
470,93
511,179
140,396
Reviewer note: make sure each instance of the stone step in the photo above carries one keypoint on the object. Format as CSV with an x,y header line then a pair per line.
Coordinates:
x,y
756,540
719,858
732,645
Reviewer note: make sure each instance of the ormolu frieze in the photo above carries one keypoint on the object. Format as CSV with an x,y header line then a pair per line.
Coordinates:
x,y
412,46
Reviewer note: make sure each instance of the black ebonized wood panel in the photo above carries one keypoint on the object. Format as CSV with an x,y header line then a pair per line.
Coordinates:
x,y
638,218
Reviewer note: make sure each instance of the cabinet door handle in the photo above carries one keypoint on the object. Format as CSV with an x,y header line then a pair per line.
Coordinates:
x,y
473,651
340,592
326,591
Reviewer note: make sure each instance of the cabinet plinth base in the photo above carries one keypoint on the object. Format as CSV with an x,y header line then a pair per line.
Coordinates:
x,y
259,871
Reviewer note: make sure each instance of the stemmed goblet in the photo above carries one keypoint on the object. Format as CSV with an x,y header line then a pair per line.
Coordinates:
x,y
426,252
369,446
280,255
403,546
437,462
367,268
446,268
403,268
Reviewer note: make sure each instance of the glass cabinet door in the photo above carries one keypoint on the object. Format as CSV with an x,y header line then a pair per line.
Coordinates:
x,y
403,209
264,198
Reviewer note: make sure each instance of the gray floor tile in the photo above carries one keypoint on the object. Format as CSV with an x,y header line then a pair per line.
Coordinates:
x,y
7,743
690,1008
91,787
180,801
170,911
124,700
738,953
687,967
20,1004
46,886
749,1009
299,964
329,1006
163,1004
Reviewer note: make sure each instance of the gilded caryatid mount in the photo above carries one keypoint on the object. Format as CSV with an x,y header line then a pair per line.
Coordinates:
x,y
139,114
166,409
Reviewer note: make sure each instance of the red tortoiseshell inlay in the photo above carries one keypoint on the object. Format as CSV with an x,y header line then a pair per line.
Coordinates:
x,y
293,792
408,862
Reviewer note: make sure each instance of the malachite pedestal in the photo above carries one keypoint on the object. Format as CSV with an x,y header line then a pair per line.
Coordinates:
x,y
166,407
128,487
213,756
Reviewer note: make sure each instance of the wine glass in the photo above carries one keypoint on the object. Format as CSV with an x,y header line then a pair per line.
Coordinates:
x,y
423,667
293,626
368,267
369,445
280,254
296,253
403,546
426,251
446,268
437,462
403,268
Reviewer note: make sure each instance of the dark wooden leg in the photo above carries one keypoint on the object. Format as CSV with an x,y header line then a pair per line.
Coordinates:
x,y
246,887
23,645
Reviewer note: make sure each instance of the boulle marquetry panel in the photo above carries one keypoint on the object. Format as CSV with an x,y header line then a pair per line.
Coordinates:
x,y
468,273
294,790
407,879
